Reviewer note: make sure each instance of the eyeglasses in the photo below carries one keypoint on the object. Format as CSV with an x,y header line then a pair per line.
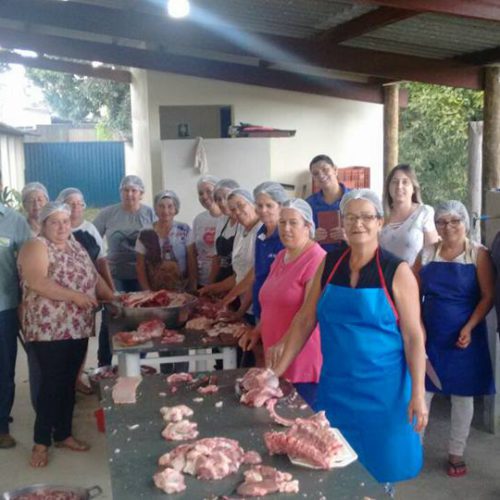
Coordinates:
x,y
441,224
365,219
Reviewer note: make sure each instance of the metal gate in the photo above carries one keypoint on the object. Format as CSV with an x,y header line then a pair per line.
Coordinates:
x,y
95,168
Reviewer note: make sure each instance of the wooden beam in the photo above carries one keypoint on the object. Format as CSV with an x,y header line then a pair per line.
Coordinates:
x,y
67,67
194,66
482,57
363,24
391,127
491,131
475,9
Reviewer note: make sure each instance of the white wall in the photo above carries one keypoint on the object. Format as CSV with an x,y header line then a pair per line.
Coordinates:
x,y
12,161
349,131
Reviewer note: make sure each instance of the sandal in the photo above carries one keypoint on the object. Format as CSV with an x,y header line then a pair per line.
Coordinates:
x,y
39,456
72,444
456,469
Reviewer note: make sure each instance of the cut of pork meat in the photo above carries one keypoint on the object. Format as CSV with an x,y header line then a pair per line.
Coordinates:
x,y
152,329
209,308
234,329
318,418
258,386
171,337
208,458
128,338
175,413
259,397
170,481
199,323
124,390
161,298
208,389
261,480
310,440
180,431
179,378
252,458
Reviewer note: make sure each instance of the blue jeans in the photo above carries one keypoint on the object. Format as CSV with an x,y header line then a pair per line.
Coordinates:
x,y
9,327
104,354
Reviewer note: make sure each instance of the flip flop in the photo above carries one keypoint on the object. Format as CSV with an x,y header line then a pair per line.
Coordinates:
x,y
73,444
39,457
456,469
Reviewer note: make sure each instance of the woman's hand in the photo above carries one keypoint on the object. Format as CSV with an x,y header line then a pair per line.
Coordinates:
x,y
418,414
230,316
337,234
464,338
249,339
274,355
205,290
320,234
84,301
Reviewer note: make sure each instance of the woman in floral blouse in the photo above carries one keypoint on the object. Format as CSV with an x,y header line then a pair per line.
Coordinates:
x,y
59,285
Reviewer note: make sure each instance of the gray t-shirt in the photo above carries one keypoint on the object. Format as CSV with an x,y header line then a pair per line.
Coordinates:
x,y
121,229
14,231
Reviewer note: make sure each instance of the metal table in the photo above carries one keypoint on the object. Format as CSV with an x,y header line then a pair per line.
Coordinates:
x,y
135,444
200,353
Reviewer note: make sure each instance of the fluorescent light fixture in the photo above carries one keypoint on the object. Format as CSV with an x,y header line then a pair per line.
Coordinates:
x,y
96,64
25,53
178,8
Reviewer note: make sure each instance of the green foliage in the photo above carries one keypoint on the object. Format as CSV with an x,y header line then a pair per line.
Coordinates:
x,y
11,198
80,98
433,138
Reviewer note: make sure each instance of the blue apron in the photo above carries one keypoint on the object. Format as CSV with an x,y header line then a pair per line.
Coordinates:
x,y
364,386
450,294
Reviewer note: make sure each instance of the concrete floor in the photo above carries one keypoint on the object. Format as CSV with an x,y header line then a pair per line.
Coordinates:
x,y
90,468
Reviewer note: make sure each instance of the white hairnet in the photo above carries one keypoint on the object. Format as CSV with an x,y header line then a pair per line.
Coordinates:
x,y
243,193
33,186
133,181
362,194
273,189
66,193
168,194
453,207
304,210
207,179
51,208
226,184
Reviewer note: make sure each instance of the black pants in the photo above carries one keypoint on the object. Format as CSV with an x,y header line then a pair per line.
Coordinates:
x,y
59,362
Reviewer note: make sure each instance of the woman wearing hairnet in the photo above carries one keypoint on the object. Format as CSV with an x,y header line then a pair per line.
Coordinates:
x,y
34,196
372,380
285,290
457,287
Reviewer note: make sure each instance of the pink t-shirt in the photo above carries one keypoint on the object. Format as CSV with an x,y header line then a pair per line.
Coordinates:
x,y
281,297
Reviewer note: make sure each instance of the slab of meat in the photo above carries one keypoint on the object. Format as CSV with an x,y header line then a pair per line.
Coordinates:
x,y
175,413
152,329
318,418
161,298
262,480
310,440
258,386
171,337
170,481
178,378
252,458
208,307
208,389
199,323
208,458
234,329
180,431
124,390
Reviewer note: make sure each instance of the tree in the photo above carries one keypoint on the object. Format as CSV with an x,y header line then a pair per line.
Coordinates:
x,y
82,98
433,138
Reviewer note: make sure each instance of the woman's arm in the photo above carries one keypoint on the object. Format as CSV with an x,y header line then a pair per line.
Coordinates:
x,y
417,266
406,297
250,338
34,264
103,269
486,277
142,277
103,291
192,256
430,237
214,269
240,288
280,356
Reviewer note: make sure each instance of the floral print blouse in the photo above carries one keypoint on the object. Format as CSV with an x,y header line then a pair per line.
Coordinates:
x,y
46,319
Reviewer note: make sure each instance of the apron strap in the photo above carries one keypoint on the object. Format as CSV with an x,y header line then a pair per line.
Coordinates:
x,y
337,264
384,286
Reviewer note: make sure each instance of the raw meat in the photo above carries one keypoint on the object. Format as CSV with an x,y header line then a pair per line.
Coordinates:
x,y
258,386
180,377
311,440
161,298
208,308
199,323
208,458
208,389
47,494
262,480
171,337
152,329
170,481
175,413
319,418
124,390
180,431
252,458
234,329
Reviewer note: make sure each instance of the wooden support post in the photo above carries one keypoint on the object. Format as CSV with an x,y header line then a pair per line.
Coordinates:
x,y
474,178
391,127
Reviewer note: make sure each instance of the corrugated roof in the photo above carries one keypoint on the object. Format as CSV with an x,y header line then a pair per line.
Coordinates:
x,y
8,130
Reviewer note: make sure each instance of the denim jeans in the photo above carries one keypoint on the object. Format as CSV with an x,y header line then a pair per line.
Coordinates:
x,y
9,327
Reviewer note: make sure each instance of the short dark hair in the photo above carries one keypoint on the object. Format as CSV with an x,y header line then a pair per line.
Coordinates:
x,y
416,197
324,158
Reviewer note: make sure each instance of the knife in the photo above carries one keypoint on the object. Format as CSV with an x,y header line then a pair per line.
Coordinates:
x,y
431,373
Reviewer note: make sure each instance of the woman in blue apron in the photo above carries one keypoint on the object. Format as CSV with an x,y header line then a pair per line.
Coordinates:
x,y
361,296
457,287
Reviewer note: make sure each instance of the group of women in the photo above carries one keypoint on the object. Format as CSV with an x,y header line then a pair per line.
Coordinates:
x,y
336,308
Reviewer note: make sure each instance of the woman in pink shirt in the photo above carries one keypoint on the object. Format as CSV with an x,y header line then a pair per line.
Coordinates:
x,y
286,289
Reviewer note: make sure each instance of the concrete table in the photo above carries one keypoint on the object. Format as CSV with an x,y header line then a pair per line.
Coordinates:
x,y
135,444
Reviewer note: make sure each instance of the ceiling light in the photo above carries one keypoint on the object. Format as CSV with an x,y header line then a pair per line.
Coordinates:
x,y
178,8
